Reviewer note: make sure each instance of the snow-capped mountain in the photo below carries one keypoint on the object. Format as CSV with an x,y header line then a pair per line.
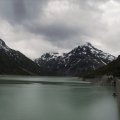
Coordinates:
x,y
78,61
14,62
3,46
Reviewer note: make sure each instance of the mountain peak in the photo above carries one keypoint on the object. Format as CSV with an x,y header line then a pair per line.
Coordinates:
x,y
78,61
3,46
2,42
89,44
14,62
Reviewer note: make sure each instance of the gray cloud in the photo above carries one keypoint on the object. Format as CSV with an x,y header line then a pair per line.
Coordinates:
x,y
19,11
55,32
43,25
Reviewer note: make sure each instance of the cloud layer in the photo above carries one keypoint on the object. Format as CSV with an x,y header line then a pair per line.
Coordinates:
x,y
38,26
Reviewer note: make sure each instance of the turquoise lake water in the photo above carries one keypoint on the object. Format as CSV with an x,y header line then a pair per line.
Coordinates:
x,y
56,102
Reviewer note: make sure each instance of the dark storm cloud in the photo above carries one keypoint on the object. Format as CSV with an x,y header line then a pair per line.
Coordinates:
x,y
24,12
19,11
59,25
55,32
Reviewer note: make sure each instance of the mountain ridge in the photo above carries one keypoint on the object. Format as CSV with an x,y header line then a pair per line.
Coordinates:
x,y
14,62
112,69
81,59
78,61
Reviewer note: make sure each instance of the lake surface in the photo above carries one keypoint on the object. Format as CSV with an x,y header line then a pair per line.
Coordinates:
x,y
73,101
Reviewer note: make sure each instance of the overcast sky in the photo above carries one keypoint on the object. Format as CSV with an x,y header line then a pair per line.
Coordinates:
x,y
38,26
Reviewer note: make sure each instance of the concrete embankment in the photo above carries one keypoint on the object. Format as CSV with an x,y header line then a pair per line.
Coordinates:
x,y
118,87
118,92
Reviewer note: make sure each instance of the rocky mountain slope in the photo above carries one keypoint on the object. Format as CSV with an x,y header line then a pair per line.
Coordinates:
x,y
80,60
112,69
14,62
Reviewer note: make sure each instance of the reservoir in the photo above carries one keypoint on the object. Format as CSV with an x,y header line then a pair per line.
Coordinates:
x,y
58,98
